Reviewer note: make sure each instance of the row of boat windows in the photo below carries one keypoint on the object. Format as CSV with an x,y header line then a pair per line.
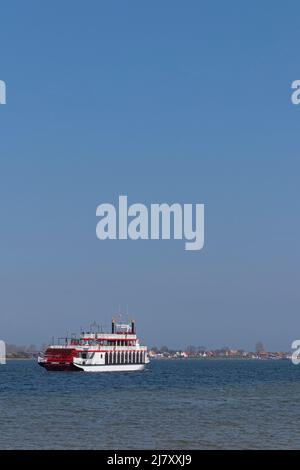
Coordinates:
x,y
121,357
132,357
107,342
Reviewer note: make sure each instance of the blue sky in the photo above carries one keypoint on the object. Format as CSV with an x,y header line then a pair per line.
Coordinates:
x,y
165,102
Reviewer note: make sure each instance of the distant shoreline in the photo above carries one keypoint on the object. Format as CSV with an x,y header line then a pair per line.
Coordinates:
x,y
219,358
20,359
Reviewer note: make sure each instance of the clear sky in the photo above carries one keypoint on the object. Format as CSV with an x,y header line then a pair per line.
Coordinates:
x,y
165,101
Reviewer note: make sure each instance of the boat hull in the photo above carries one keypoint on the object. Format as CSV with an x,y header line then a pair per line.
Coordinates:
x,y
110,367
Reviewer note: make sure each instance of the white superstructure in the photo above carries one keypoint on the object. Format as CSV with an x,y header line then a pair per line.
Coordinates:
x,y
117,351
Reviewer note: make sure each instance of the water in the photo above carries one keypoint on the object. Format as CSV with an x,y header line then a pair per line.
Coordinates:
x,y
183,404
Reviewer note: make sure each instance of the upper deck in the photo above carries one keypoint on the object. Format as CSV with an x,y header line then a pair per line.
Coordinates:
x,y
119,332
108,336
121,335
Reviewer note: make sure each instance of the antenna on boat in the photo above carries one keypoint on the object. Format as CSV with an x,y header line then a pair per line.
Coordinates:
x,y
93,328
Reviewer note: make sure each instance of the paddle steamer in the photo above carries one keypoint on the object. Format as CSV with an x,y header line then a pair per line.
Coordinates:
x,y
117,351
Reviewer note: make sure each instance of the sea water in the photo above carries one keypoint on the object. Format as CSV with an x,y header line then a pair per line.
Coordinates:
x,y
173,404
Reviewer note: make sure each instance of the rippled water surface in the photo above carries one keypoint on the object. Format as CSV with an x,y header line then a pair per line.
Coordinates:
x,y
202,404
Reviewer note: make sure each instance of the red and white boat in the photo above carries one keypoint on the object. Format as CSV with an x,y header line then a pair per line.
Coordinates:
x,y
117,351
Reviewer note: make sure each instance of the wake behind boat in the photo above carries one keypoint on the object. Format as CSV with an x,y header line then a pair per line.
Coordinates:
x,y
118,351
